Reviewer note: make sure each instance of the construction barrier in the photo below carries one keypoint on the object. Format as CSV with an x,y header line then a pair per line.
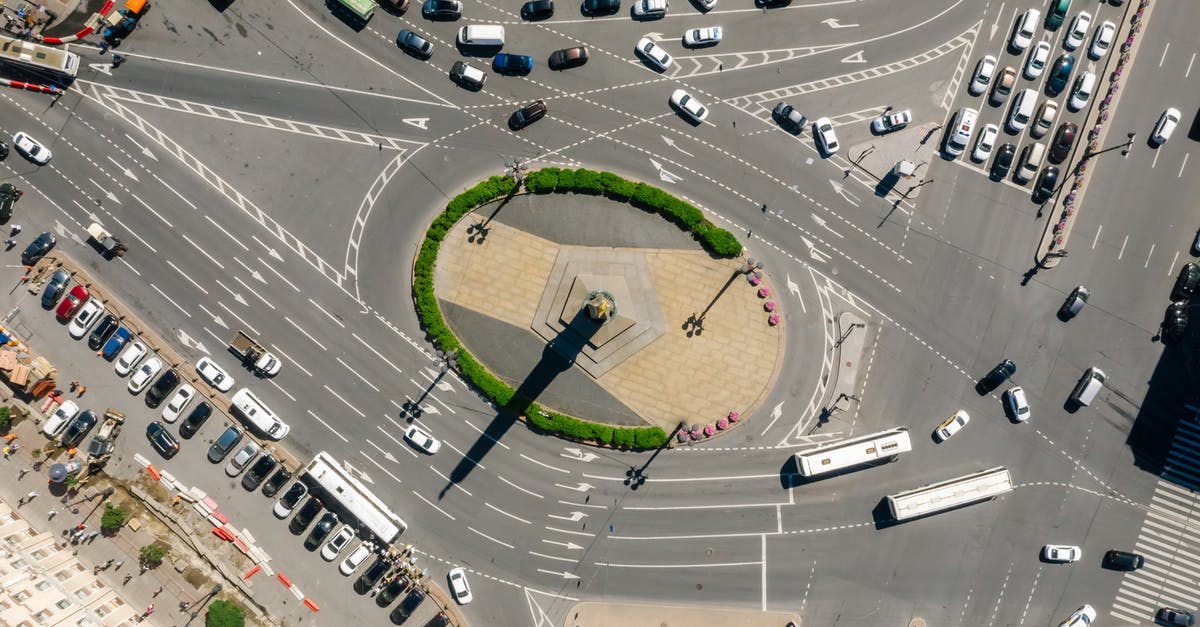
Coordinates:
x,y
253,571
153,472
312,606
287,583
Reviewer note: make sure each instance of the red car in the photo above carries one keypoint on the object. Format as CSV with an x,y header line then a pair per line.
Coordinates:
x,y
72,302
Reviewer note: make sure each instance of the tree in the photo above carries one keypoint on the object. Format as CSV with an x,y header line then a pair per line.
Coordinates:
x,y
5,417
113,518
224,614
152,555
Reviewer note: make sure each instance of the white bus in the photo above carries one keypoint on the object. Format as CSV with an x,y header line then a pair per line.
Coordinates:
x,y
37,62
337,485
885,445
930,499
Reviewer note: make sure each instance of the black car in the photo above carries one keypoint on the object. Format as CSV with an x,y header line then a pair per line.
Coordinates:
x,y
9,195
789,118
78,429
414,44
161,439
537,9
1186,283
442,9
1168,616
1064,139
600,7
1046,183
54,288
998,375
568,58
320,531
372,575
195,418
3,151
258,471
305,516
281,476
1074,303
441,620
1060,75
1003,161
1123,560
38,248
1175,321
288,501
224,443
527,115
108,325
407,606
392,590
162,387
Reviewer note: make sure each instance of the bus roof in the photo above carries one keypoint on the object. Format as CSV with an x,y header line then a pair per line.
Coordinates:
x,y
363,9
24,53
354,497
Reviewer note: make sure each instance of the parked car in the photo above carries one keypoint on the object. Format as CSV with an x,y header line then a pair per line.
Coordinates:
x,y
65,413
600,7
951,425
985,143
568,58
649,9
467,76
371,576
1169,616
305,515
214,374
1186,283
1023,31
129,358
1081,617
707,36
1061,553
407,606
421,440
689,106
459,586
1064,140
104,330
31,148
789,118
158,392
1044,119
38,248
320,531
1057,14
289,500
442,9
113,345
527,115
891,121
223,444
1085,84
414,44
1060,74
83,320
537,9
258,471
1123,560
1078,31
1003,86
984,70
144,373
241,458
1047,182
1016,404
1003,161
653,53
179,402
355,559
54,288
161,439
1175,322
1074,303
1165,126
78,429
1102,40
271,487
998,375
517,64
1039,56
195,418
71,304
330,551
391,590
9,195
826,137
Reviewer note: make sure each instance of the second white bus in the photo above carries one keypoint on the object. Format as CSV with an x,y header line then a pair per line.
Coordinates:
x,y
885,445
944,495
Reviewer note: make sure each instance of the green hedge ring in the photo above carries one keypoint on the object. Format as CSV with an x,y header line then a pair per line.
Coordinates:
x,y
716,240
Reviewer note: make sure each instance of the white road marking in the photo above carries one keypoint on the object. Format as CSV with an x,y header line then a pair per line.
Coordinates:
x,y
326,312
185,275
1147,264
672,566
1154,161
430,503
290,361
514,517
281,277
239,318
164,184
554,557
227,233
491,538
1097,238
348,404
1163,58
530,493
1171,268
254,292
1122,252
1184,164
335,431
164,295
763,568
356,373
377,353
202,251
544,465
280,388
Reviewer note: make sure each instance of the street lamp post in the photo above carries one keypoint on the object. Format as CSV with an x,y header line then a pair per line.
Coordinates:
x,y
199,605
1124,148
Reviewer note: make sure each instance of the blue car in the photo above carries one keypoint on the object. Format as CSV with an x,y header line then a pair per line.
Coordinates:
x,y
1061,74
115,343
505,63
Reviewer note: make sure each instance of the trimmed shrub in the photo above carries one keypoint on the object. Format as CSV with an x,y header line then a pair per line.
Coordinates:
x,y
616,187
221,613
542,181
566,181
113,518
588,182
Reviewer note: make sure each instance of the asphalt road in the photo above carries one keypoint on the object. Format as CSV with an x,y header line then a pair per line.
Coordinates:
x,y
274,170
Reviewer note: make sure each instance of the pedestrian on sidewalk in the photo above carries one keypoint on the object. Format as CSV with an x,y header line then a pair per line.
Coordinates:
x,y
118,565
103,46
80,390
157,592
74,384
32,495
21,473
16,228
92,536
9,243
117,60
51,514
127,578
149,611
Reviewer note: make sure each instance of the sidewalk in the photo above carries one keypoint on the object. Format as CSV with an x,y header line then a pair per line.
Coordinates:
x,y
849,346
635,615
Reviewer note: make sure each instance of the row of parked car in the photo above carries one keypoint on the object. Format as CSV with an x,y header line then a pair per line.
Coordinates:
x,y
1175,319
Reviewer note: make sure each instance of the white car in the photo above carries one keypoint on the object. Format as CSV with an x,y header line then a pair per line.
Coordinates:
x,y
63,415
689,105
707,5
653,53
1078,31
141,377
889,122
985,143
459,586
1081,617
1166,125
31,148
129,358
1036,63
1061,553
952,425
826,137
1102,40
1044,119
330,551
87,315
708,36
1082,91
241,458
214,375
1023,33
649,8
179,401
422,440
355,559
1018,406
984,70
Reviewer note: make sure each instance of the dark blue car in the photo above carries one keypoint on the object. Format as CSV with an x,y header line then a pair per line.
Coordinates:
x,y
1061,74
505,63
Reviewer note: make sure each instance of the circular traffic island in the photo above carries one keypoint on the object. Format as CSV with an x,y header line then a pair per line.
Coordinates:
x,y
600,309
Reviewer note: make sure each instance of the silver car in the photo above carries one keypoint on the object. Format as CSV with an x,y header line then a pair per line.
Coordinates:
x,y
241,458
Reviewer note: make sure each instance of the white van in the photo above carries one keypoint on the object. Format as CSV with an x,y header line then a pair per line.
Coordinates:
x,y
1088,387
255,413
481,35
960,132
1022,110
1031,160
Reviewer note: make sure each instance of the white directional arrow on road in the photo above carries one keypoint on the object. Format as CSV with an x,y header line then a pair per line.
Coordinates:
x,y
655,37
813,252
564,574
671,142
354,472
841,191
574,517
145,150
568,545
778,411
664,175
792,287
821,221
124,170
105,68
583,487
107,194
857,57
217,319
417,122
578,455
833,23
187,340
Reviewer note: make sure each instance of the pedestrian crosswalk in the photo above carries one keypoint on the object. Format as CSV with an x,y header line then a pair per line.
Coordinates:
x,y
1169,538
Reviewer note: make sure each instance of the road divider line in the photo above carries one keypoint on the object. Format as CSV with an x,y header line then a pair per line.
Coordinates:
x,y
529,492
164,295
134,233
280,388
227,233
512,516
305,333
185,275
591,505
254,292
239,318
340,398
570,532
281,277
356,373
457,486
291,361
326,312
202,251
397,442
478,532
430,503
164,184
704,565
545,465
385,470
377,353
464,455
335,431
555,557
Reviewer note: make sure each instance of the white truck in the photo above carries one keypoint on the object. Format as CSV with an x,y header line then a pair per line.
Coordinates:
x,y
255,355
